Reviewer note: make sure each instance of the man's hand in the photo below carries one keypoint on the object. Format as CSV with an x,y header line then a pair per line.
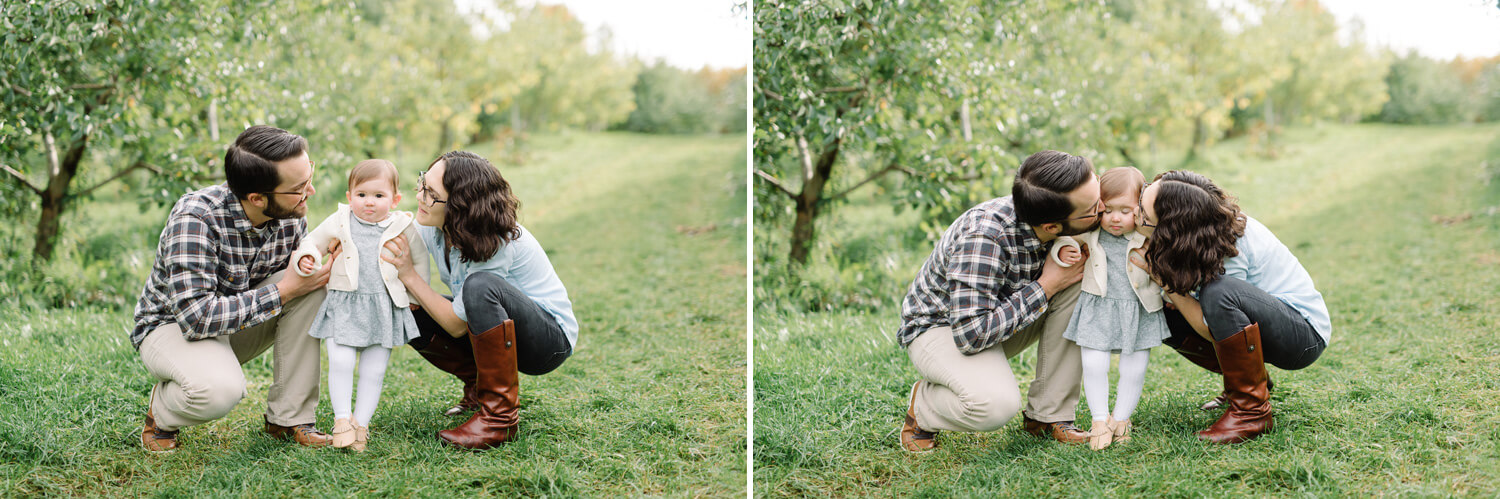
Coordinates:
x,y
1056,278
292,285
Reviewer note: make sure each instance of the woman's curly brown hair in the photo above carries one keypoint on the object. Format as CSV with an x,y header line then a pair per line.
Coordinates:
x,y
1197,226
482,212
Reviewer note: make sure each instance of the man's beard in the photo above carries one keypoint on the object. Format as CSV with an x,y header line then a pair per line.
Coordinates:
x,y
278,212
1069,230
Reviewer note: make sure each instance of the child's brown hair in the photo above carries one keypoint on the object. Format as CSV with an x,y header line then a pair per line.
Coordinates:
x,y
1121,180
372,169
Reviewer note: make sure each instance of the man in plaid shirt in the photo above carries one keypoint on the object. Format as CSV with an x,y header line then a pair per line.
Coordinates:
x,y
218,296
989,291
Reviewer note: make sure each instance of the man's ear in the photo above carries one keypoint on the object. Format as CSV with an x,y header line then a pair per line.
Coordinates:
x,y
1051,228
257,200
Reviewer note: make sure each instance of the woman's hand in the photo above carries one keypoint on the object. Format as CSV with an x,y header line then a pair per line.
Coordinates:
x,y
400,257
1138,258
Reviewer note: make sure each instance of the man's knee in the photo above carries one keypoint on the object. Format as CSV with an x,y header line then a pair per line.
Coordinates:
x,y
991,411
213,397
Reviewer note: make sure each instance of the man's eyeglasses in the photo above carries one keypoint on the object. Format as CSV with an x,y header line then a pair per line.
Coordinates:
x,y
1098,207
305,187
426,192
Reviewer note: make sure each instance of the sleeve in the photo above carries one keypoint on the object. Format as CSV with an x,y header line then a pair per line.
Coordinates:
x,y
315,244
192,283
419,256
980,312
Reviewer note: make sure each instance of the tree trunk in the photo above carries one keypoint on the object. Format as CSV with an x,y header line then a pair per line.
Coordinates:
x,y
802,230
213,119
814,179
445,136
1200,135
55,197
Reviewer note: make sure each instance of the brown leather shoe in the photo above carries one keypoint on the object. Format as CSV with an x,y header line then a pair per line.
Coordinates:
x,y
156,439
913,438
304,434
1061,431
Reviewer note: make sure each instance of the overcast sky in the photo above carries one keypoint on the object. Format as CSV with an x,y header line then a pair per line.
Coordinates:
x,y
686,33
1441,29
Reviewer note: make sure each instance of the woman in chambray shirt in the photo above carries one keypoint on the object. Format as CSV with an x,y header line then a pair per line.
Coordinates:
x,y
1241,298
506,299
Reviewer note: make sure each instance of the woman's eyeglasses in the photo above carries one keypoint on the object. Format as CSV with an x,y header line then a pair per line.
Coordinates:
x,y
426,192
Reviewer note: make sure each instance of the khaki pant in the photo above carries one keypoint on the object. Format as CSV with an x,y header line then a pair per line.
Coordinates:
x,y
202,380
977,393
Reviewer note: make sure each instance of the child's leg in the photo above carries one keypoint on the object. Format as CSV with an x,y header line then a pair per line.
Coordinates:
x,y
1096,381
1132,381
372,361
340,377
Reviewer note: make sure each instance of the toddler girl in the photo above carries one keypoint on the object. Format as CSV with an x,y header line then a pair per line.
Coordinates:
x,y
366,312
1118,311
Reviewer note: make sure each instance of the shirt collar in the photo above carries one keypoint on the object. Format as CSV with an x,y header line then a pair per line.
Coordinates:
x,y
237,212
1029,241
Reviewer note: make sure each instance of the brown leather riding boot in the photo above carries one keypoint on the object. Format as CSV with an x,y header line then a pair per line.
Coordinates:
x,y
457,358
1245,380
497,389
1199,351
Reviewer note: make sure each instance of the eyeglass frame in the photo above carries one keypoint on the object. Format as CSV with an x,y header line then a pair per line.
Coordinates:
x,y
427,192
1096,213
1140,207
305,187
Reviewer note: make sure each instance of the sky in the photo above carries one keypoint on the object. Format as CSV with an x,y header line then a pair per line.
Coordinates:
x,y
686,33
1440,29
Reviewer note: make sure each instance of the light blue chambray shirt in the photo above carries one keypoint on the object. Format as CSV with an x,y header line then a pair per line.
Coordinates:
x,y
1269,266
521,262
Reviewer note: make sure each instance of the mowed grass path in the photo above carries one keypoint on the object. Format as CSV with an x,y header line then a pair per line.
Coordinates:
x,y
647,233
1397,226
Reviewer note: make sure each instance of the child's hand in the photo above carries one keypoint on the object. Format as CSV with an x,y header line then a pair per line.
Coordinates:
x,y
306,264
1070,255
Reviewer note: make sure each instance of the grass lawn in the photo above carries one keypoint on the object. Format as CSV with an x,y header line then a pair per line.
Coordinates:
x,y
648,234
1398,227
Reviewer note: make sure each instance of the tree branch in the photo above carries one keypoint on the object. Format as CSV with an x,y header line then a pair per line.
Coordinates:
x,y
806,157
774,182
769,94
889,168
21,178
139,165
844,89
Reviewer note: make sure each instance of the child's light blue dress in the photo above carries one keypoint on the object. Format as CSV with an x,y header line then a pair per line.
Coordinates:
x,y
366,316
1116,322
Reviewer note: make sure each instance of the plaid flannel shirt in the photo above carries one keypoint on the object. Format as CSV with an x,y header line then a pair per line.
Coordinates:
x,y
980,280
207,261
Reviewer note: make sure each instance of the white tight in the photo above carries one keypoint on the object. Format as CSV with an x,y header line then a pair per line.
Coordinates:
x,y
1096,382
372,361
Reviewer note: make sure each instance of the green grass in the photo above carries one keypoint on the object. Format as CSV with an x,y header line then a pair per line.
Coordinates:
x,y
1403,402
648,234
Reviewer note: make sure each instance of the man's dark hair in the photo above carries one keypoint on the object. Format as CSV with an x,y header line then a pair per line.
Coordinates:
x,y
250,164
1043,183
